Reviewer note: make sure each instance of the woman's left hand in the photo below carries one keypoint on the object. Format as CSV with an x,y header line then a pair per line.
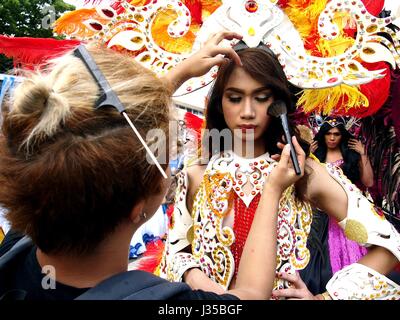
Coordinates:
x,y
357,146
313,146
299,291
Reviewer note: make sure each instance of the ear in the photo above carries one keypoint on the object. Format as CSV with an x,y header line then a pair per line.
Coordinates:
x,y
136,212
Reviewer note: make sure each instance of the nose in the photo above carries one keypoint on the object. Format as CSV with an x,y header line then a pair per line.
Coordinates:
x,y
247,110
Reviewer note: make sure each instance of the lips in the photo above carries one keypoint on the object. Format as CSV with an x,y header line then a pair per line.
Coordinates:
x,y
247,127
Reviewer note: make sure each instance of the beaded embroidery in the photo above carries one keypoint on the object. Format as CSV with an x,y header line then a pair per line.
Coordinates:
x,y
358,282
243,220
224,180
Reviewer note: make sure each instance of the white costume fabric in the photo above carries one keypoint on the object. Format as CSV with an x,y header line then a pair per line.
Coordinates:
x,y
210,240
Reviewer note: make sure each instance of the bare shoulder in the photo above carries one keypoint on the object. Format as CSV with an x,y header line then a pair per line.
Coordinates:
x,y
313,163
195,176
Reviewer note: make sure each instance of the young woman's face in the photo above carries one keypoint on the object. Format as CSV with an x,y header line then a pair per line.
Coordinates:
x,y
332,138
245,102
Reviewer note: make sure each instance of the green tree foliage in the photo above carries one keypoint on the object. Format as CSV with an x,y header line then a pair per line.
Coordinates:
x,y
28,18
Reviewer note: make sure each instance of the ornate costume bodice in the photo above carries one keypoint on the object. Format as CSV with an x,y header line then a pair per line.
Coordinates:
x,y
337,163
227,177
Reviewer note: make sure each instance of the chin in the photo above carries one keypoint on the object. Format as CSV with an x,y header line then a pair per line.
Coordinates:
x,y
246,137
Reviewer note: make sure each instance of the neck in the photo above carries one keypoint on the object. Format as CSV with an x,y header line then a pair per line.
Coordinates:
x,y
249,149
334,150
108,259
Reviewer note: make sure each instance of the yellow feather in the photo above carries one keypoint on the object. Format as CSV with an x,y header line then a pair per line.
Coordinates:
x,y
304,15
329,99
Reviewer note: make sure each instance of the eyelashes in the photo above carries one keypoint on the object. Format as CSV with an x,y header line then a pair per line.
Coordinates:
x,y
234,99
261,98
264,98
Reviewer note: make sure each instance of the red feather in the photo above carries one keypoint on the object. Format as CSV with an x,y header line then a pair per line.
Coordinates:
x,y
374,7
377,91
152,256
194,123
194,7
169,214
283,3
30,52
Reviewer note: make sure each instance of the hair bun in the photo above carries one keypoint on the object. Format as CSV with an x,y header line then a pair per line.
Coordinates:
x,y
36,98
31,96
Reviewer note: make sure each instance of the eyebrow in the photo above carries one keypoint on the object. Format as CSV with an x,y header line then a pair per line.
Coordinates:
x,y
258,90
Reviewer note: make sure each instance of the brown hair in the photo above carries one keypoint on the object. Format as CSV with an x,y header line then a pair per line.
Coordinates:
x,y
70,174
264,67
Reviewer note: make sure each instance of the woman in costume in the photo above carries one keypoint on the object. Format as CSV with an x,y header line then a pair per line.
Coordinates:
x,y
334,144
330,250
215,203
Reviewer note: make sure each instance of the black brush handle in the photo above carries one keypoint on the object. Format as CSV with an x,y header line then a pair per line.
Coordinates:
x,y
288,138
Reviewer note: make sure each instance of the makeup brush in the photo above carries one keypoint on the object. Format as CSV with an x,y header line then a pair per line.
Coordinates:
x,y
278,109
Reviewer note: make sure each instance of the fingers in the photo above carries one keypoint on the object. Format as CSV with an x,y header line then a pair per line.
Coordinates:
x,y
217,38
355,142
276,157
293,278
285,156
280,145
229,52
288,293
299,150
228,35
217,61
314,145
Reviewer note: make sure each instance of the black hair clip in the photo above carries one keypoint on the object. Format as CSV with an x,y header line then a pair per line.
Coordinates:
x,y
108,97
241,45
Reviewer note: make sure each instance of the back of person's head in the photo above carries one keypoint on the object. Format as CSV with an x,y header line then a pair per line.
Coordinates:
x,y
70,173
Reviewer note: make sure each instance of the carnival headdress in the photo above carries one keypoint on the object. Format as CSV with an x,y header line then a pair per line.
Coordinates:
x,y
331,49
316,121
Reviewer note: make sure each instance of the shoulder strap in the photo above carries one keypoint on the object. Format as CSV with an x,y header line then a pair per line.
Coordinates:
x,y
134,285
